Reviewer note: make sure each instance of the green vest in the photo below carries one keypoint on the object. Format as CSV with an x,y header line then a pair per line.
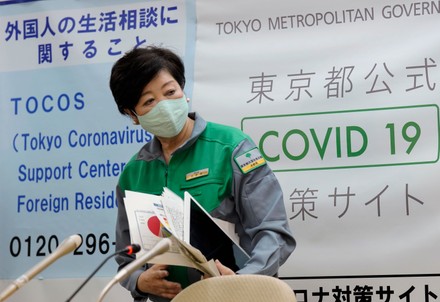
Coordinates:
x,y
203,168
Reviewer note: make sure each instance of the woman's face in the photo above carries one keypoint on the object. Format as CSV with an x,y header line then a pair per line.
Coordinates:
x,y
162,87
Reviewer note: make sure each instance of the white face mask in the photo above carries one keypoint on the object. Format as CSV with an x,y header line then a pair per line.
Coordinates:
x,y
167,118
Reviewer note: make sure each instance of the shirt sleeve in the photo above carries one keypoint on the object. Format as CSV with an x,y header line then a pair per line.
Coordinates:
x,y
263,229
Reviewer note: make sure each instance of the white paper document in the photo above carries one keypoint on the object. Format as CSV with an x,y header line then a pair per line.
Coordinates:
x,y
152,218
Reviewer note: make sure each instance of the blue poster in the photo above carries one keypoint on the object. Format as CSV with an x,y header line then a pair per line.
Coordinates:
x,y
63,143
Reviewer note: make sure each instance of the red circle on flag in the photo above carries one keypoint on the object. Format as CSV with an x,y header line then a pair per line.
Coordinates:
x,y
154,225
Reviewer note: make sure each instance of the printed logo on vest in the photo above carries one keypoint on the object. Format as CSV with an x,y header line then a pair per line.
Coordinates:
x,y
250,160
197,174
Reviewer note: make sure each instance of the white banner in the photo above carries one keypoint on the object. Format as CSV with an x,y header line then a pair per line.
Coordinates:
x,y
342,99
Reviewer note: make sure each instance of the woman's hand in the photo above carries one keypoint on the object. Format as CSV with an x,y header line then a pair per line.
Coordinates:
x,y
152,281
224,270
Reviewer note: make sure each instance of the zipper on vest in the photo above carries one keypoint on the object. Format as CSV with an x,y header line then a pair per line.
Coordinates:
x,y
166,176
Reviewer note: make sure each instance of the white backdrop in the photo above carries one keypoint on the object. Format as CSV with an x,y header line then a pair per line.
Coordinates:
x,y
341,96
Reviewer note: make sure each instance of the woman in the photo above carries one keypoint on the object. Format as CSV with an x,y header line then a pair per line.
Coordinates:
x,y
219,165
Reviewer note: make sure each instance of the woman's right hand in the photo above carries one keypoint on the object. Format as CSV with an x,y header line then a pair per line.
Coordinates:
x,y
153,281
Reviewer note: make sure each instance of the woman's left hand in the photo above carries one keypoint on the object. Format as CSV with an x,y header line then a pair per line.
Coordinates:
x,y
224,270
